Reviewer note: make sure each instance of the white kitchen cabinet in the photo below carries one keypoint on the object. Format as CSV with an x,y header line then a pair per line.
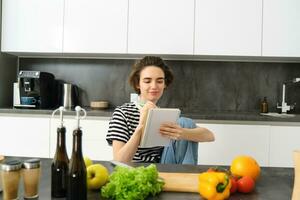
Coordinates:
x,y
94,144
231,27
281,28
283,141
161,27
95,26
32,26
232,140
24,136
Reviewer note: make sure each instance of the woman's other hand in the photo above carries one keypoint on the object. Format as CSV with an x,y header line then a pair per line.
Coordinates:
x,y
176,132
171,130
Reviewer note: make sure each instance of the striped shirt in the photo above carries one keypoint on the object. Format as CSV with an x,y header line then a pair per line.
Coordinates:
x,y
122,125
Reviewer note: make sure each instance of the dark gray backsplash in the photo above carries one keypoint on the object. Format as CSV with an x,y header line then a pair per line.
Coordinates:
x,y
199,86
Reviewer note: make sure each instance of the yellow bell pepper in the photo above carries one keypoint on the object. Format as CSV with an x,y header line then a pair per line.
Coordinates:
x,y
214,185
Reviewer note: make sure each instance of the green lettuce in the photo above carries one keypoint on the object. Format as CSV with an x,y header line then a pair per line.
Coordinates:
x,y
132,183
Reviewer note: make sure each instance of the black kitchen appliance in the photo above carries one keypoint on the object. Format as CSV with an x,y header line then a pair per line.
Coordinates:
x,y
37,90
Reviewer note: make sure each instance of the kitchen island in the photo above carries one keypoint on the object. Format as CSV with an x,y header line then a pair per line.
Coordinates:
x,y
274,183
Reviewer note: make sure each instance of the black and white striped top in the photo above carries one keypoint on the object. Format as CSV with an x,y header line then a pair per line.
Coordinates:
x,y
122,125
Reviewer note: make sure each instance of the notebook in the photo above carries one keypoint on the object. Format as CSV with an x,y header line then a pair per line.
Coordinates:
x,y
151,136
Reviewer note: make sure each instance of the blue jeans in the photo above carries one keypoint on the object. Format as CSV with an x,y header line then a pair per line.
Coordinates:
x,y
181,151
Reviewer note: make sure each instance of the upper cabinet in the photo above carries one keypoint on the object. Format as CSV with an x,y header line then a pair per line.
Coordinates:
x,y
190,28
161,26
231,27
32,26
281,28
95,26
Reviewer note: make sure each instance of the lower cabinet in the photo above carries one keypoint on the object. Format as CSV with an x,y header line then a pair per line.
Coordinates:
x,y
94,144
35,136
24,136
270,145
283,141
232,140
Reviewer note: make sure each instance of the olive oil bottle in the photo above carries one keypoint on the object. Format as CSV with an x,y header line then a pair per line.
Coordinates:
x,y
77,188
60,163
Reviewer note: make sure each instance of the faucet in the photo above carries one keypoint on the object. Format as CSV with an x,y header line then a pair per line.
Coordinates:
x,y
284,107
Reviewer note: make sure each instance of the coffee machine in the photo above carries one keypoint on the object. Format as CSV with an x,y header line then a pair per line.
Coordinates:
x,y
36,90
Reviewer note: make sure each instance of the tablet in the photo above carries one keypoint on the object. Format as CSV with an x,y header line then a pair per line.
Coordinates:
x,y
157,116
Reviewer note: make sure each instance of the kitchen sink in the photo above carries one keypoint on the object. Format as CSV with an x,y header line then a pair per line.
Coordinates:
x,y
282,115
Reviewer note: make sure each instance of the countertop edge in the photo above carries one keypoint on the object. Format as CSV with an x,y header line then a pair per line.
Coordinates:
x,y
208,118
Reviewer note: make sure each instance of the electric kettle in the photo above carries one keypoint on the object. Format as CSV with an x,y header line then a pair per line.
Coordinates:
x,y
70,96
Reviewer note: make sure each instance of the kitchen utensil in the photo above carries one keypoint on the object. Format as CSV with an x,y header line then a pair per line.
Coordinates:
x,y
296,189
99,104
70,96
36,90
180,182
174,182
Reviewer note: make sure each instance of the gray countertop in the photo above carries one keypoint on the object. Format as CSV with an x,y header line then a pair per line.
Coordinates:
x,y
273,184
203,116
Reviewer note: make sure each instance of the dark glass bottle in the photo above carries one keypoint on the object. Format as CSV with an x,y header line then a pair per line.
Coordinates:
x,y
264,106
77,188
59,166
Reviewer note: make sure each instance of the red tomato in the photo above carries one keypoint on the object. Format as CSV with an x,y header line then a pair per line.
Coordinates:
x,y
234,185
245,184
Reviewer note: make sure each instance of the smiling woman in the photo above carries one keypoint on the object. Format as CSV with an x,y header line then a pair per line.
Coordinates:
x,y
150,77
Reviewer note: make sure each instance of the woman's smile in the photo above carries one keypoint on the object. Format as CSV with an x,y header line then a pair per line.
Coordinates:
x,y
152,83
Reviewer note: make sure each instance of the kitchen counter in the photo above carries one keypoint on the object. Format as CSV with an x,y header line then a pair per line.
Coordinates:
x,y
274,183
198,117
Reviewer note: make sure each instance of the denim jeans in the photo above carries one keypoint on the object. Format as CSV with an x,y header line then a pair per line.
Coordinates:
x,y
181,151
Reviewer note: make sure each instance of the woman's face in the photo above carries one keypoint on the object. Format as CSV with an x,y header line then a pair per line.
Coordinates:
x,y
152,83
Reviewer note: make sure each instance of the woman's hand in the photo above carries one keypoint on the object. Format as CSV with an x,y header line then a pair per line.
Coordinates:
x,y
172,131
176,132
144,112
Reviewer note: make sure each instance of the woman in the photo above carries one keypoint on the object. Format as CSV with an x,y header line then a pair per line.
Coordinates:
x,y
150,77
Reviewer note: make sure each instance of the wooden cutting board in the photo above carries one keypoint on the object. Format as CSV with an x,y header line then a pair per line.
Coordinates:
x,y
180,182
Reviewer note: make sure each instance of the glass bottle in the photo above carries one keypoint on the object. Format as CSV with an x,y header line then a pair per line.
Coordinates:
x,y
60,163
264,106
77,186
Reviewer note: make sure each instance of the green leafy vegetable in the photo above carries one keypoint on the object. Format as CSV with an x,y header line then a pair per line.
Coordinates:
x,y
132,183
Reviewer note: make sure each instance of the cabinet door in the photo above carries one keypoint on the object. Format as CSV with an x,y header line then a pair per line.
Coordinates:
x,y
232,140
231,27
161,26
32,26
94,144
95,26
24,136
283,141
281,28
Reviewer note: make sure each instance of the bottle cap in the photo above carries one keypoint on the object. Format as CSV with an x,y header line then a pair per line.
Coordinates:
x,y
31,163
12,165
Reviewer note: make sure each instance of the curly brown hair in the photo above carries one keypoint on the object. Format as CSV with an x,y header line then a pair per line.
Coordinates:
x,y
134,77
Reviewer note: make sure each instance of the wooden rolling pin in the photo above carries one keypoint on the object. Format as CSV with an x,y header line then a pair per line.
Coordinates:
x,y
296,189
180,182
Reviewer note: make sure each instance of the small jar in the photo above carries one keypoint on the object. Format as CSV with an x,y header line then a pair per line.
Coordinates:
x,y
31,172
10,172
